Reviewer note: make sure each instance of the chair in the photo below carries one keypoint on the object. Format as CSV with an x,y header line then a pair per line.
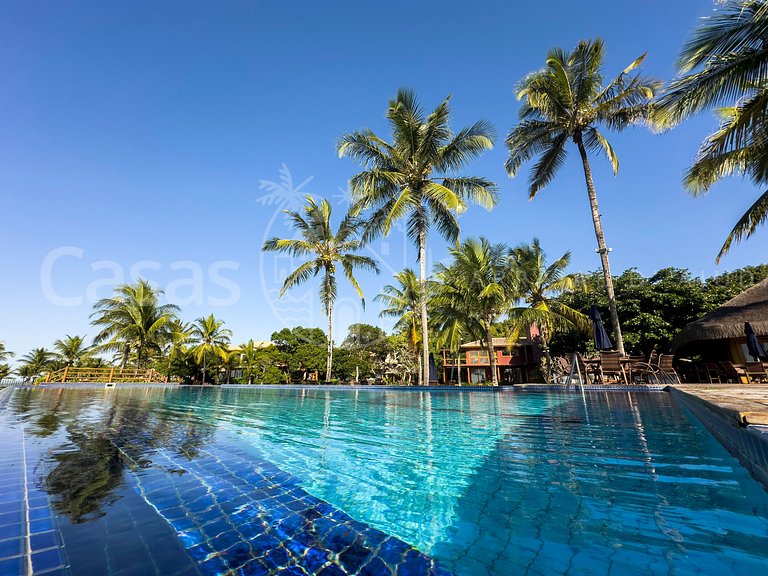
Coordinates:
x,y
667,370
631,361
646,371
733,373
611,368
756,372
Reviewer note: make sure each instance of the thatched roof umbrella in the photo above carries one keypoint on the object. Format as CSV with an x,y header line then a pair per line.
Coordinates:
x,y
727,321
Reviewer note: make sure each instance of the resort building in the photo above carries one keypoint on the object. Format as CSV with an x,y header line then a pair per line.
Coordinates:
x,y
514,364
719,335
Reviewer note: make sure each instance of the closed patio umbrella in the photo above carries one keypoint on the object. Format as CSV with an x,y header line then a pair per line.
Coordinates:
x,y
754,346
432,368
602,342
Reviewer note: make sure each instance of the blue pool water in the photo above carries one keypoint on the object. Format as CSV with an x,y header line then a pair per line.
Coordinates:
x,y
260,480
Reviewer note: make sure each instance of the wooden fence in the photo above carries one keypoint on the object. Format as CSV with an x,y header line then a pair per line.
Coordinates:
x,y
108,375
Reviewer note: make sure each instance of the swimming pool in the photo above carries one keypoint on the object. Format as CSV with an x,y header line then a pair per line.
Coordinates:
x,y
253,480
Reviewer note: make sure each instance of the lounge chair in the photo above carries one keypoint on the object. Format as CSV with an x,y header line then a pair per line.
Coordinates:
x,y
756,372
667,370
611,368
733,373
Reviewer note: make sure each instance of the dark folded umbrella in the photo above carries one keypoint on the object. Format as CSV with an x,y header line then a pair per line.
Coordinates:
x,y
432,368
754,346
602,342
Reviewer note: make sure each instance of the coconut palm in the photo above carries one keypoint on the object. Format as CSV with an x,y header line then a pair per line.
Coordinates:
x,y
452,318
567,102
324,248
403,301
132,320
539,284
5,356
72,350
36,363
725,63
413,178
211,341
177,334
478,282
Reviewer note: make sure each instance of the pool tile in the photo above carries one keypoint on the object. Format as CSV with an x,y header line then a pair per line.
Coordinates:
x,y
12,566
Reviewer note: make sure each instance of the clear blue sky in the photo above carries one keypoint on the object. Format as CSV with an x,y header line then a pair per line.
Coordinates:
x,y
140,134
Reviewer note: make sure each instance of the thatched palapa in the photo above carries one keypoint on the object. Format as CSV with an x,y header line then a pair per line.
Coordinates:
x,y
727,321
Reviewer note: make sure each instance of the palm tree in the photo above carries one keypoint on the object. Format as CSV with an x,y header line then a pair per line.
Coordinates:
x,y
211,338
566,101
132,320
36,363
452,319
539,285
72,350
324,248
403,302
725,63
5,356
177,334
479,282
412,178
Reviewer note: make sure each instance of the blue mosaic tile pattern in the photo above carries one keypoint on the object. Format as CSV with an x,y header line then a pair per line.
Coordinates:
x,y
249,517
30,543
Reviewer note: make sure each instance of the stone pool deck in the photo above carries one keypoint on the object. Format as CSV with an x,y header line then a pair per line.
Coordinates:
x,y
744,404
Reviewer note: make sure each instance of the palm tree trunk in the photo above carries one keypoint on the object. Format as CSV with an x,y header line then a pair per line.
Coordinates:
x,y
491,352
424,372
601,247
329,363
547,356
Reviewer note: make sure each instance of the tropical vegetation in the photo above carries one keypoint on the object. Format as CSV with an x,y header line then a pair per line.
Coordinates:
x,y
412,177
724,64
325,249
566,102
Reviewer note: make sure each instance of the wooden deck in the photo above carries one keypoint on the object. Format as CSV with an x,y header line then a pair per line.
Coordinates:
x,y
744,404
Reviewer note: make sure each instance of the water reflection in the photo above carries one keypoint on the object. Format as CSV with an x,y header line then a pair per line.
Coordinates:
x,y
88,439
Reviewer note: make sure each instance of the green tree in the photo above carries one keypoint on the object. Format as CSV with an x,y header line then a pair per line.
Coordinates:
x,y
478,280
567,102
133,320
403,301
72,350
367,340
539,284
177,334
259,364
211,341
351,365
36,363
5,356
725,63
302,350
412,178
324,248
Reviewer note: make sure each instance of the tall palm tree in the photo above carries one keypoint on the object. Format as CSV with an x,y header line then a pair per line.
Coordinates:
x,y
567,102
452,318
725,63
132,320
413,177
403,301
72,350
177,334
324,248
478,280
539,285
36,363
5,355
211,340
